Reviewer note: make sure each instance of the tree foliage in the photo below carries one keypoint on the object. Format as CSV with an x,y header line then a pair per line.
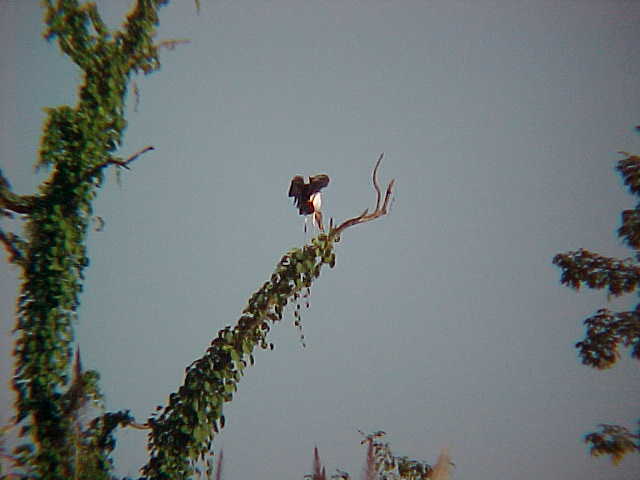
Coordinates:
x,y
608,331
182,433
382,464
78,143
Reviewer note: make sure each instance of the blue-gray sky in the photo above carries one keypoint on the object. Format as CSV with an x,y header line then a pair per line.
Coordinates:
x,y
444,323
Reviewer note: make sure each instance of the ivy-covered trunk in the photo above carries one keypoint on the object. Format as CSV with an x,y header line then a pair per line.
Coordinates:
x,y
78,142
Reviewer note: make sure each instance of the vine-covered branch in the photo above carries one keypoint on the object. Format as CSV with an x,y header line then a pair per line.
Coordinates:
x,y
11,202
182,432
78,142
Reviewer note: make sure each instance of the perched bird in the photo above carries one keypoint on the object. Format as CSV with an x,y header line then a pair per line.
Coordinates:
x,y
307,196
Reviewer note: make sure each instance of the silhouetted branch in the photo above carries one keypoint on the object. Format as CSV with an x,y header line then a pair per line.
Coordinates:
x,y
375,181
219,465
318,471
365,216
172,44
596,271
11,201
10,244
606,332
139,426
370,463
117,162
613,440
442,468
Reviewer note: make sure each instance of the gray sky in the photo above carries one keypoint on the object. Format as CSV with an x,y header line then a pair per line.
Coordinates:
x,y
444,323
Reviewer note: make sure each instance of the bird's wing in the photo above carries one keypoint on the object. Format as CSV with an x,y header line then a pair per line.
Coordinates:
x,y
297,185
317,183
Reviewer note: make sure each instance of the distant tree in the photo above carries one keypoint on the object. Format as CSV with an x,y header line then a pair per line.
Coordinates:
x,y
382,464
607,331
53,393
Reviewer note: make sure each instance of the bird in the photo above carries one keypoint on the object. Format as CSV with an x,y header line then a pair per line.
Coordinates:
x,y
307,196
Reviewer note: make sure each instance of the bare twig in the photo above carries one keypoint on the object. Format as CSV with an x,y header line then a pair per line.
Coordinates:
x,y
365,216
117,162
317,216
9,241
442,469
125,163
139,426
136,94
370,464
172,44
12,202
375,181
219,465
23,204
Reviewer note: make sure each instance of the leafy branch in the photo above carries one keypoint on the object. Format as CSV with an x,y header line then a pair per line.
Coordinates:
x,y
607,331
182,432
613,440
77,144
382,464
598,272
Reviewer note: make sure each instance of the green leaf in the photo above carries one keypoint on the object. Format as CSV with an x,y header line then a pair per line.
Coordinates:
x,y
235,356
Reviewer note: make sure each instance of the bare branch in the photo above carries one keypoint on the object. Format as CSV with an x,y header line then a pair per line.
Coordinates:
x,y
365,216
9,240
139,426
125,163
317,218
12,202
219,465
23,204
117,162
172,44
136,94
375,180
135,156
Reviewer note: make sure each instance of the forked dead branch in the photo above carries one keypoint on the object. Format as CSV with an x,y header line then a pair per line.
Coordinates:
x,y
382,206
